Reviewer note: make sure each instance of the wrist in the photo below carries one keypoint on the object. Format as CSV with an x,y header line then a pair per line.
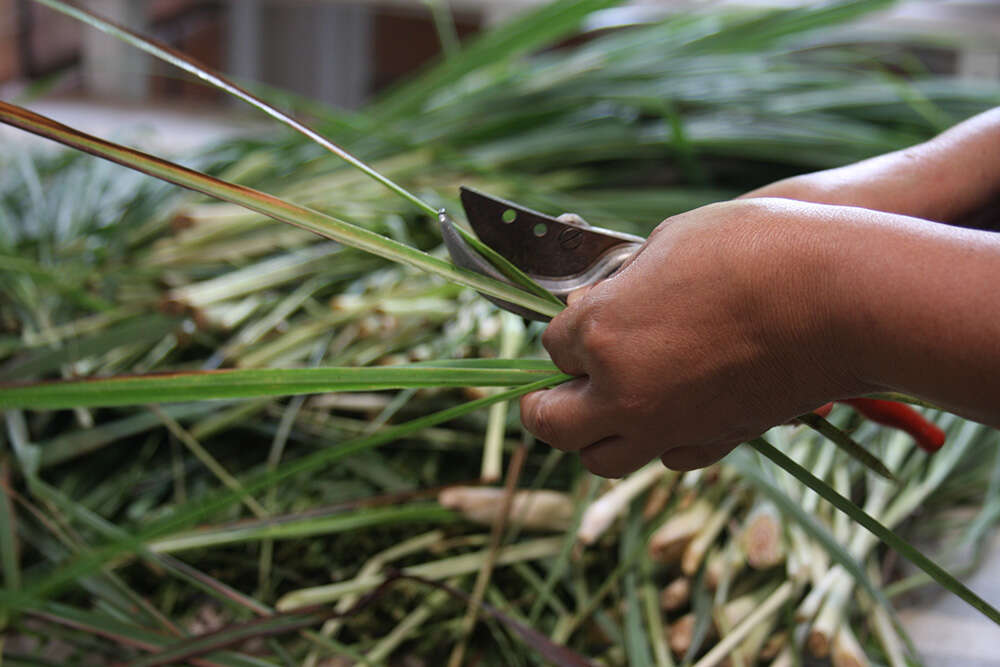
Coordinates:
x,y
913,306
789,253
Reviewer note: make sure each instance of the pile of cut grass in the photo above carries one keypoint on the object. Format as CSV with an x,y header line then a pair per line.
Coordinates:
x,y
129,531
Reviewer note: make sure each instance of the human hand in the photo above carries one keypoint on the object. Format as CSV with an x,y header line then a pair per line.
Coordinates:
x,y
708,336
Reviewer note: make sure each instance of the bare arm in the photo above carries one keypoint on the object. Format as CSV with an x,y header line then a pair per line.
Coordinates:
x,y
951,178
739,316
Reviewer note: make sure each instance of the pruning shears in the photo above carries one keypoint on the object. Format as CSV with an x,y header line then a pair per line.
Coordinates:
x,y
565,253
560,254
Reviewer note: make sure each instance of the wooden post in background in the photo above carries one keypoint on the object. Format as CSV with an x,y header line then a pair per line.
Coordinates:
x,y
111,68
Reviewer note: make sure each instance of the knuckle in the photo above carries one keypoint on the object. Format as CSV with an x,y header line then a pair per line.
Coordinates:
x,y
537,418
636,403
597,338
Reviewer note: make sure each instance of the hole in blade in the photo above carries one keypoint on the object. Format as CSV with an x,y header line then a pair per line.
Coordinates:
x,y
541,229
509,216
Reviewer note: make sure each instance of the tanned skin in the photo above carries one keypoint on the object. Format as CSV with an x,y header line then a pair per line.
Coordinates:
x,y
739,316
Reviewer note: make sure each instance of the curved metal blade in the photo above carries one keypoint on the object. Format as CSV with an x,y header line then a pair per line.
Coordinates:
x,y
545,248
467,258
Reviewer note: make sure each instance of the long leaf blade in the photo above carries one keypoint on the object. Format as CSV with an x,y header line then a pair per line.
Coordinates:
x,y
273,207
252,383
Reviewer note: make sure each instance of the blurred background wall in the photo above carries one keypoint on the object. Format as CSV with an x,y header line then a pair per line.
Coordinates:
x,y
337,51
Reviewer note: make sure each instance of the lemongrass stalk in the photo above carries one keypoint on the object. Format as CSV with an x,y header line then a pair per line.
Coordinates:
x,y
727,615
658,497
847,651
751,650
881,624
879,492
681,634
723,565
762,538
263,275
236,250
228,315
668,542
810,559
434,570
53,335
599,516
654,620
530,509
676,594
786,658
485,573
939,468
760,613
512,333
774,645
695,551
302,335
831,612
254,331
812,603
308,219
406,627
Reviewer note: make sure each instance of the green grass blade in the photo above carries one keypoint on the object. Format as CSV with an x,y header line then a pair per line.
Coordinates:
x,y
893,540
191,512
183,651
846,444
313,221
10,544
637,644
531,30
147,329
124,633
73,444
190,65
252,383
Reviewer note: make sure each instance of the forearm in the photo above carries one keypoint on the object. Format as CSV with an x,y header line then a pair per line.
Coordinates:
x,y
915,307
946,179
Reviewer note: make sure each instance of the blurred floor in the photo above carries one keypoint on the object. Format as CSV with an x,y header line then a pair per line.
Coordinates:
x,y
948,632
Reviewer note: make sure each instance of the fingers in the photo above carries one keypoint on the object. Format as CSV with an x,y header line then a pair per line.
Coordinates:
x,y
562,338
616,456
692,458
566,417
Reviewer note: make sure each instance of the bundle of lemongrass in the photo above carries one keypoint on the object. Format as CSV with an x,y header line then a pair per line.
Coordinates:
x,y
737,582
160,534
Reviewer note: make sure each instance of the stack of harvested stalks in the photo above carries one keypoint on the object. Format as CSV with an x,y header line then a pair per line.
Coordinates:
x,y
115,545
737,582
